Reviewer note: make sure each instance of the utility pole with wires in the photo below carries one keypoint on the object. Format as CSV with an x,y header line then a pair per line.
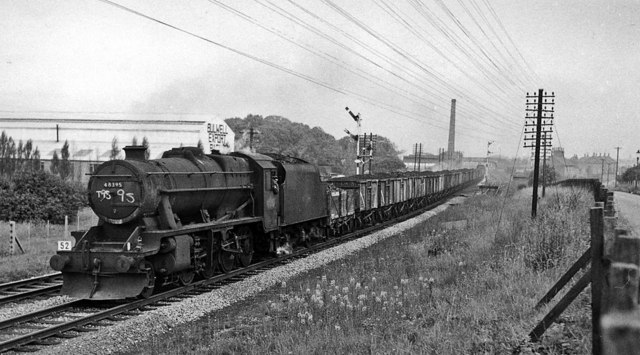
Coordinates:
x,y
537,122
417,156
617,156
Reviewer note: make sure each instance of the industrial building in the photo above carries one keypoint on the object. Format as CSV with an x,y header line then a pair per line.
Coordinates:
x,y
92,137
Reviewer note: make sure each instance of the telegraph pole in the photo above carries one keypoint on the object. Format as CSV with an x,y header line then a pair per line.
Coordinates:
x,y
617,156
420,157
540,103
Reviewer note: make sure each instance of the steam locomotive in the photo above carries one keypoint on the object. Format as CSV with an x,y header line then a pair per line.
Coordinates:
x,y
192,214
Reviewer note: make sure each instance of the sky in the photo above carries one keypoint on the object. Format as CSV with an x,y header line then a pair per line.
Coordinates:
x,y
396,63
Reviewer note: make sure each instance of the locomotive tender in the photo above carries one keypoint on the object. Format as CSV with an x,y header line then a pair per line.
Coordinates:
x,y
186,214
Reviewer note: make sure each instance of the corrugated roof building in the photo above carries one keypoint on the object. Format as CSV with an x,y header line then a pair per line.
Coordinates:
x,y
91,137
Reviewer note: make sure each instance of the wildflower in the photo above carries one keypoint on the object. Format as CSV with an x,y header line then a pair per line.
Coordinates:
x,y
366,288
334,298
461,264
404,281
385,303
283,284
318,292
342,305
308,291
384,309
309,316
345,289
431,280
383,294
373,279
362,297
420,278
350,307
337,327
318,286
364,309
373,293
395,288
378,299
324,278
332,283
352,280
303,321
358,286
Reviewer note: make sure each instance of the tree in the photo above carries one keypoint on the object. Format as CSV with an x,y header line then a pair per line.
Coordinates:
x,y
35,162
145,143
3,151
19,156
28,155
115,151
65,164
134,141
10,158
55,164
200,145
549,173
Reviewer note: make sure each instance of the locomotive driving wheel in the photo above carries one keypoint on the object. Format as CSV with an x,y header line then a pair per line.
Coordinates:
x,y
226,261
186,277
246,243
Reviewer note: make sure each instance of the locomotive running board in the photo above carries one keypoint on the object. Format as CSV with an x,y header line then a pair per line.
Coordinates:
x,y
199,227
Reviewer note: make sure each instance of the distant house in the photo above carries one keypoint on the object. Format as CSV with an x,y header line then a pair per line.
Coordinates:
x,y
595,166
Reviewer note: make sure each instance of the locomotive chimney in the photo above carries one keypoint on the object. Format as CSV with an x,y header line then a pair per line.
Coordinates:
x,y
134,152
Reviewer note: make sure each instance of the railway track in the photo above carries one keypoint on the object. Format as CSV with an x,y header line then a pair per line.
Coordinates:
x,y
31,331
29,288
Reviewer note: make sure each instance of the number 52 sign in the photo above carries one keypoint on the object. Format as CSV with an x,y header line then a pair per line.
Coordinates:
x,y
64,245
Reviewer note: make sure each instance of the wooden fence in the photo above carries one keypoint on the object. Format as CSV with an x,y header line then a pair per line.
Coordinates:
x,y
613,270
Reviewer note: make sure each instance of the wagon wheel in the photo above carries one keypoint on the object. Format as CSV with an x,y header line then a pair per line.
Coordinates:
x,y
186,277
147,291
226,261
246,243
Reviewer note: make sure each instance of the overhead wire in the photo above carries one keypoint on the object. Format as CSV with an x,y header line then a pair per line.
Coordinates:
x,y
279,67
438,79
279,10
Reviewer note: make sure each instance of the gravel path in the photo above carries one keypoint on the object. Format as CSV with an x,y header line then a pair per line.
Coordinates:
x,y
122,335
628,205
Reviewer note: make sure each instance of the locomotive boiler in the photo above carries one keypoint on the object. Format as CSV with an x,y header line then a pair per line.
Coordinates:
x,y
186,214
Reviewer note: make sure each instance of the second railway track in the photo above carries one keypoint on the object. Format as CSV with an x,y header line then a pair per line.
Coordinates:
x,y
29,288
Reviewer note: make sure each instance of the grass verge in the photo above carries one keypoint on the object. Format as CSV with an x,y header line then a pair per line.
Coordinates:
x,y
39,241
431,290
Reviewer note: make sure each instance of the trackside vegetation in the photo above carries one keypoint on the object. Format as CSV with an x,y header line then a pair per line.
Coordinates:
x,y
440,288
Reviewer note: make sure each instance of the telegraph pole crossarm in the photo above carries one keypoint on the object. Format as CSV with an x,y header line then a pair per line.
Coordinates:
x,y
540,102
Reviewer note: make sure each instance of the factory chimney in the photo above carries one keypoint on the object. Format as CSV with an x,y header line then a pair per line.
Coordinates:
x,y
452,131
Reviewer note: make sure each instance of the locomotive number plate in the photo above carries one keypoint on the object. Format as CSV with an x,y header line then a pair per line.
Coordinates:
x,y
64,245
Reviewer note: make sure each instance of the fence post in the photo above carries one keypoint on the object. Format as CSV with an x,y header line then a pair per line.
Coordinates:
x,y
597,274
621,327
12,237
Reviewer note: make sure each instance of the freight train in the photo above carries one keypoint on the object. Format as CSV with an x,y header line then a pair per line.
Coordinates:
x,y
190,214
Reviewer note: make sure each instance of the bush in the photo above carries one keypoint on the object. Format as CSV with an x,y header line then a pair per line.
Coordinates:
x,y
37,195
